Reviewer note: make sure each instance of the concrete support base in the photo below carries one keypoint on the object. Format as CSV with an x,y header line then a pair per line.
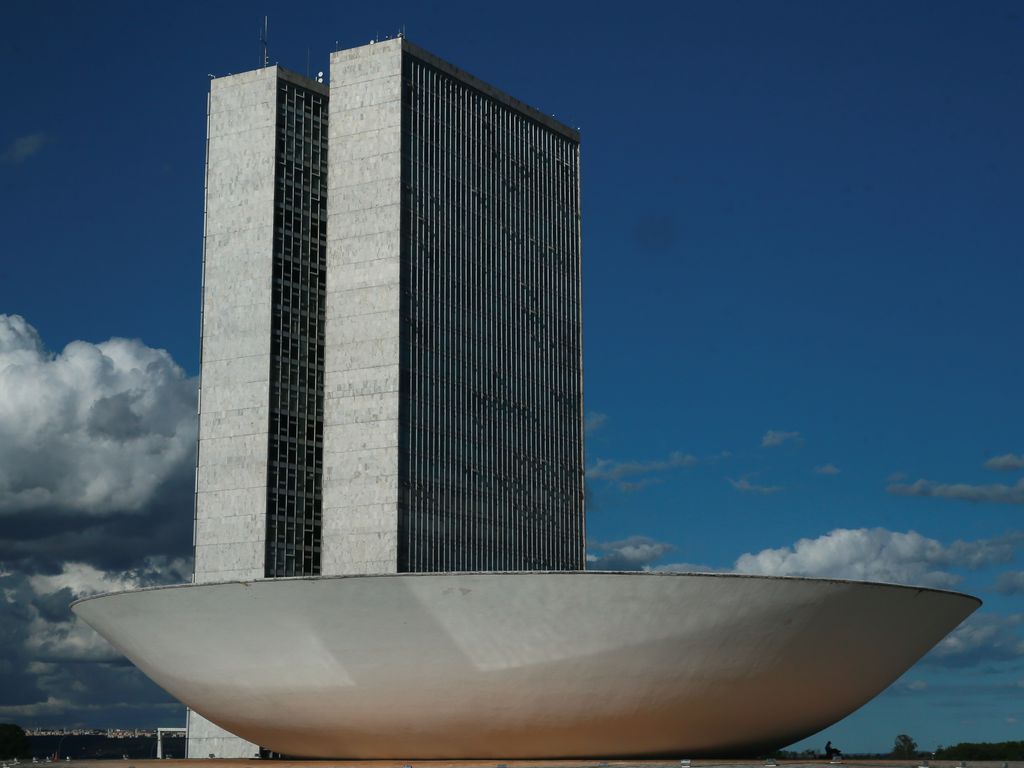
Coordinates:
x,y
208,740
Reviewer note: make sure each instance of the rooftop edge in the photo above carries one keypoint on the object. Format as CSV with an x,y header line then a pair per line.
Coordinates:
x,y
471,80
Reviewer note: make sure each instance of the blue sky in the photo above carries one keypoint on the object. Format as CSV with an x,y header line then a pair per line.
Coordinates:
x,y
802,282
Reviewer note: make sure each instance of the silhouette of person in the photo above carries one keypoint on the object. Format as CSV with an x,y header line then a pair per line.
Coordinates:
x,y
831,751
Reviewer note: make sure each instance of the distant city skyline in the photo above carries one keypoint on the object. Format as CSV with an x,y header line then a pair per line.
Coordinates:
x,y
801,300
113,733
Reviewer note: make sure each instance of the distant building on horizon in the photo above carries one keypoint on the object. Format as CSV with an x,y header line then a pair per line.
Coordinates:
x,y
391,371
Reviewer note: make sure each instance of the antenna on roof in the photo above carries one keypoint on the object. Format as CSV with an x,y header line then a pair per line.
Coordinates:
x,y
265,42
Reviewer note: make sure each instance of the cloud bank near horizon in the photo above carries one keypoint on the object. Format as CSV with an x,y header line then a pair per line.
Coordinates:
x,y
97,446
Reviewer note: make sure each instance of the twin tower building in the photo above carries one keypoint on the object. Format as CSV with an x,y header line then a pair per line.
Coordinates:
x,y
391,374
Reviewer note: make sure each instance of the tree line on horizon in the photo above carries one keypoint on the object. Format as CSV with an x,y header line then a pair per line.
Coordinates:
x,y
968,750
905,748
14,743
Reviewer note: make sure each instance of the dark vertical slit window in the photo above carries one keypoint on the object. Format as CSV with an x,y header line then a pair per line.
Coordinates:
x,y
295,471
491,452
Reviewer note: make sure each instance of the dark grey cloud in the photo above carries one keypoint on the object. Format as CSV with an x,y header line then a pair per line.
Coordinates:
x,y
1010,583
614,471
113,417
993,493
56,670
639,485
984,638
609,469
42,541
1008,462
53,607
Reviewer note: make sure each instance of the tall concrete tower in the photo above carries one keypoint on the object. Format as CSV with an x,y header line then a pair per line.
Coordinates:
x,y
453,430
391,353
259,475
258,483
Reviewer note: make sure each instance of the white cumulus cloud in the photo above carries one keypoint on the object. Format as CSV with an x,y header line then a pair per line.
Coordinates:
x,y
95,428
82,579
66,637
876,554
745,486
593,422
776,437
631,554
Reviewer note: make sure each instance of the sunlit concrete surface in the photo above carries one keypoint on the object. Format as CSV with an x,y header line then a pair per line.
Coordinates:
x,y
525,665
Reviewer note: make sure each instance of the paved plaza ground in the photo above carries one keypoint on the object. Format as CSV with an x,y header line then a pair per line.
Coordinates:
x,y
238,763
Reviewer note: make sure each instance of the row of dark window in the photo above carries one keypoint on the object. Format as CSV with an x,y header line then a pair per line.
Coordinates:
x,y
295,471
458,472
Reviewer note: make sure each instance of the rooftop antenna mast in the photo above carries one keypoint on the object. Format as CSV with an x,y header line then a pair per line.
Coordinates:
x,y
265,42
